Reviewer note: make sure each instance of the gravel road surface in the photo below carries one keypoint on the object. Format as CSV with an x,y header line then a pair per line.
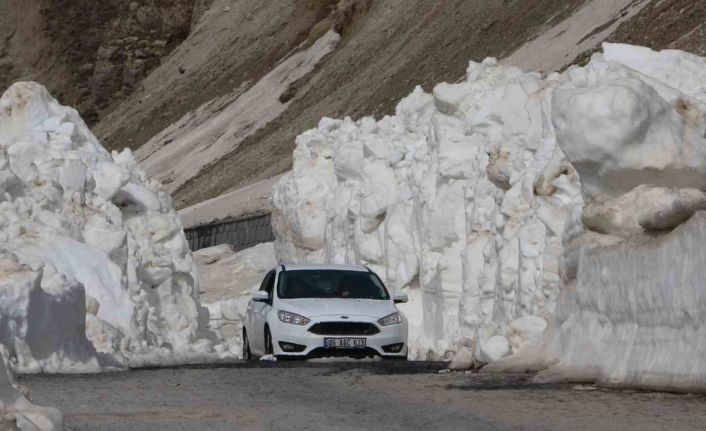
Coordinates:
x,y
351,396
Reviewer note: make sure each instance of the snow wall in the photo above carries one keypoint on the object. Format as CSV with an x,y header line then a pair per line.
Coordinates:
x,y
633,309
469,198
95,271
461,198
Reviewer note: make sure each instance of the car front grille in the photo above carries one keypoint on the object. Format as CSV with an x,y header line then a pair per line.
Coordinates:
x,y
344,328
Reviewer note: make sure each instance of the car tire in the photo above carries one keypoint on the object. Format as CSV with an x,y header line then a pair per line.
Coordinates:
x,y
396,358
268,342
247,354
289,358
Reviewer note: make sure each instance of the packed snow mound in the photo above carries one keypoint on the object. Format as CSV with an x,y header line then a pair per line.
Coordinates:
x,y
17,412
461,199
227,280
83,230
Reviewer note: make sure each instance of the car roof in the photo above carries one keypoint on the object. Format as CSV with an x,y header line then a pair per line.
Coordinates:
x,y
326,267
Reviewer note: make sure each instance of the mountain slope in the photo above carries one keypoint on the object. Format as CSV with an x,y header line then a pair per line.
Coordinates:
x,y
384,53
386,49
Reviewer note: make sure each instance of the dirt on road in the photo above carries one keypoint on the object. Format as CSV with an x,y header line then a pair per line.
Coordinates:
x,y
351,396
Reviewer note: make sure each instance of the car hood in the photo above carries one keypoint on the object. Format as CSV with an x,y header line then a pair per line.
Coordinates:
x,y
316,307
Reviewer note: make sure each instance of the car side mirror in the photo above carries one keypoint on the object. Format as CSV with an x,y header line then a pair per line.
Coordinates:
x,y
401,297
261,296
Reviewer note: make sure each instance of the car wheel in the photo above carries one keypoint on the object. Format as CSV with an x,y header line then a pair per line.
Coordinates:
x,y
247,355
395,358
268,342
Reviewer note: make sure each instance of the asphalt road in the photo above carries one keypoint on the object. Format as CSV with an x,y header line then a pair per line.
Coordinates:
x,y
351,396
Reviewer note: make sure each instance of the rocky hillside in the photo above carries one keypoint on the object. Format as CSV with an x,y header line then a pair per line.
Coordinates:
x,y
154,71
90,54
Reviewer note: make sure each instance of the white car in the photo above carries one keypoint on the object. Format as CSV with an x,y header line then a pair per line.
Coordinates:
x,y
304,311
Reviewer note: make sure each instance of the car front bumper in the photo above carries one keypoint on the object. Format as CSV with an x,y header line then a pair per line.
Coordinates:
x,y
309,345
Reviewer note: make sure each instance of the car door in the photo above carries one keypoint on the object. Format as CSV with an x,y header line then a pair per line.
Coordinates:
x,y
258,313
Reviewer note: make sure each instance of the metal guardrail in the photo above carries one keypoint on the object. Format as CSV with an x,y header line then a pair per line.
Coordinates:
x,y
241,234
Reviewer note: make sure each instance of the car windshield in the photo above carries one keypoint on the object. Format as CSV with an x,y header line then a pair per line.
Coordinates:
x,y
330,284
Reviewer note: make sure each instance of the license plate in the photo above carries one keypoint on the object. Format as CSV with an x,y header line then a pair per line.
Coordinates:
x,y
344,343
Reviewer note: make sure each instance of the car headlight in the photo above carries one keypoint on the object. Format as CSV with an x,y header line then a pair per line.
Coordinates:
x,y
391,319
294,319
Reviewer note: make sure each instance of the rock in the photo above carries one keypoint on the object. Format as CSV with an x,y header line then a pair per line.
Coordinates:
x,y
92,305
86,67
107,52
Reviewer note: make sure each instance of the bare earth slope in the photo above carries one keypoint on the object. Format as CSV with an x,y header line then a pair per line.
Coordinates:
x,y
386,51
232,46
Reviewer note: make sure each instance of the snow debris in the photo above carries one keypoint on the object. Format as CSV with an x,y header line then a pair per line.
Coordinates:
x,y
96,271
494,348
525,332
462,360
17,412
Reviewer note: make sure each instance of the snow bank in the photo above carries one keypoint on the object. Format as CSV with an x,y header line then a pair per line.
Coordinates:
x,y
16,412
461,199
633,123
469,199
227,280
637,313
81,231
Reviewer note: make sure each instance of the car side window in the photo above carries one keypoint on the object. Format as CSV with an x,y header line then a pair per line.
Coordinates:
x,y
269,287
266,281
